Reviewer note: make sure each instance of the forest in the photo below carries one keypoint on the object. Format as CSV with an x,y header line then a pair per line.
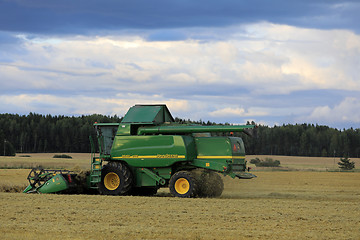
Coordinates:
x,y
46,133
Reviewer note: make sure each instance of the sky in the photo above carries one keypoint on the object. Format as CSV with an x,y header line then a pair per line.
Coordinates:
x,y
273,62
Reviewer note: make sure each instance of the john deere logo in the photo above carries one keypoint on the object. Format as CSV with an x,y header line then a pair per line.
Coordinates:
x,y
167,156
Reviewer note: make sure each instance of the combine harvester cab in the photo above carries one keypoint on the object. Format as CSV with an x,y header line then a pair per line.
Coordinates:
x,y
148,150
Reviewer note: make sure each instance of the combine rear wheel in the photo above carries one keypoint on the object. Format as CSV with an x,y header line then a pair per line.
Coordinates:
x,y
183,184
210,184
116,179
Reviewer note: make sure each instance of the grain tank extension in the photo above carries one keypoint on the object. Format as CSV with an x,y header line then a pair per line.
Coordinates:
x,y
148,150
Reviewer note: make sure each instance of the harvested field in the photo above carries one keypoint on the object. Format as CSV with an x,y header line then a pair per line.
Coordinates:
x,y
276,205
303,163
46,160
13,180
82,160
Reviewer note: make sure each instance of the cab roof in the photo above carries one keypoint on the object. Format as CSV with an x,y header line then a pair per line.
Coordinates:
x,y
148,114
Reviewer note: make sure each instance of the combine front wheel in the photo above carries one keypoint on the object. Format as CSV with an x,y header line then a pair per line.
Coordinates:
x,y
116,179
183,184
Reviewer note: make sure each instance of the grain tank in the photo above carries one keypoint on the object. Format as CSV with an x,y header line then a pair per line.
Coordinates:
x,y
147,150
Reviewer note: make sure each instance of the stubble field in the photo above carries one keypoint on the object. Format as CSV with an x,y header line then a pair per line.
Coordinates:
x,y
275,205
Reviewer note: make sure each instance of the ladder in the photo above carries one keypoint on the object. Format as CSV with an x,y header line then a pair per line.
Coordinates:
x,y
96,165
95,173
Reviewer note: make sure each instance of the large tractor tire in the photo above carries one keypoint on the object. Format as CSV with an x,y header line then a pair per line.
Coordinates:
x,y
183,184
210,184
116,179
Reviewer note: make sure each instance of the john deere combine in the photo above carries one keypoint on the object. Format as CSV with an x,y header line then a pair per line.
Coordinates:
x,y
148,150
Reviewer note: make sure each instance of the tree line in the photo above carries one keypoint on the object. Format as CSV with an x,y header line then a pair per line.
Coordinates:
x,y
304,140
46,133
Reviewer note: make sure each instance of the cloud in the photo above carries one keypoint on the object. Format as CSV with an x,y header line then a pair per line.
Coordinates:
x,y
241,112
78,105
167,35
264,71
346,111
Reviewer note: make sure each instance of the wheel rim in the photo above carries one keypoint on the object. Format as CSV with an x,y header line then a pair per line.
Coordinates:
x,y
182,185
111,181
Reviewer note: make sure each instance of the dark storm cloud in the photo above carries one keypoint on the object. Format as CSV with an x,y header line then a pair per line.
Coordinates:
x,y
82,17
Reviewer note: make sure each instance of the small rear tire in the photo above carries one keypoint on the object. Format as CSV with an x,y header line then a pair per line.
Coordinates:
x,y
210,184
183,184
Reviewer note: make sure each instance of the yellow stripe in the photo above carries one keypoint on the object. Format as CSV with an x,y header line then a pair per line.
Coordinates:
x,y
153,156
217,157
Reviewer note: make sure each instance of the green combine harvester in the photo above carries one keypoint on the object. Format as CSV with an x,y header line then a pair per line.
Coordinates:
x,y
147,150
